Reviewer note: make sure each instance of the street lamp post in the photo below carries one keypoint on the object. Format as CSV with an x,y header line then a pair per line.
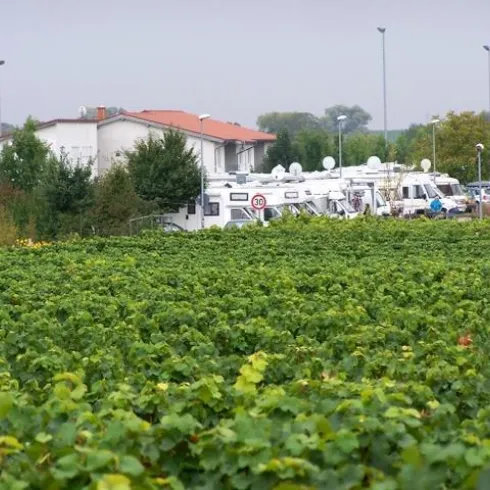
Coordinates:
x,y
434,122
382,30
2,62
202,117
479,149
487,49
340,120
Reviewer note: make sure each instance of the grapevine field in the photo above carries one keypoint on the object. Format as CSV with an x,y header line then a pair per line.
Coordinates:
x,y
321,355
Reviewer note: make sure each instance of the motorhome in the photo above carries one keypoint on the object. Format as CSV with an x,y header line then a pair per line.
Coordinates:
x,y
329,198
416,191
450,187
232,202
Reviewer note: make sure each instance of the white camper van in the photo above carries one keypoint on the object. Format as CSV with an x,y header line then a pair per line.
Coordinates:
x,y
416,192
450,187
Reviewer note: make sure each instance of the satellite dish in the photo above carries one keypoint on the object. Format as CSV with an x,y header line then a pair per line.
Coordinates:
x,y
373,163
425,164
82,110
328,163
296,169
278,172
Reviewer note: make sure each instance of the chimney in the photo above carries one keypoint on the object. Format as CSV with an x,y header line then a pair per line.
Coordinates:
x,y
101,112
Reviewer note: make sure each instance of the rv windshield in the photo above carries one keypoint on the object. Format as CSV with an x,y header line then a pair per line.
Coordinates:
x,y
380,201
271,213
457,189
451,189
347,206
431,192
445,189
309,207
240,214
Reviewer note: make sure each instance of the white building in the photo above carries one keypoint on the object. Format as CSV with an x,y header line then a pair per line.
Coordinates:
x,y
76,138
226,147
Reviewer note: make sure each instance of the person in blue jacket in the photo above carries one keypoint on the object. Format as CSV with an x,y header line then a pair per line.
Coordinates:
x,y
435,206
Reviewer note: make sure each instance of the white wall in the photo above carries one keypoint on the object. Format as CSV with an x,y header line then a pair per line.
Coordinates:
x,y
116,137
79,141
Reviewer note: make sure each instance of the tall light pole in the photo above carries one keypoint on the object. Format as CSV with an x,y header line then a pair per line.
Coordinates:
x,y
340,120
434,122
479,149
382,30
487,49
2,62
202,117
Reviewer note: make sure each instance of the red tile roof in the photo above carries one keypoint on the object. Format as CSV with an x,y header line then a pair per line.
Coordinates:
x,y
190,122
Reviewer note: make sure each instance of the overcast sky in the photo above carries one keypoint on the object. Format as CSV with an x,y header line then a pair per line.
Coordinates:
x,y
238,59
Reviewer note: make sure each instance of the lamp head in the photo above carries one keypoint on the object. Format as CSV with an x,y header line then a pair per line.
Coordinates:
x,y
341,118
382,29
204,116
486,47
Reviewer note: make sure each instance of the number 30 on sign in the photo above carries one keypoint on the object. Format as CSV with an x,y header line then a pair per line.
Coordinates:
x,y
258,202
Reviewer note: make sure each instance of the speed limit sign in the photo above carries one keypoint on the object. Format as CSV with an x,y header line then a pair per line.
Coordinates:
x,y
258,202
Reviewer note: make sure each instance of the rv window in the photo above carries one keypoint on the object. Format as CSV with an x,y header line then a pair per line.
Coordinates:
x,y
406,193
212,209
419,192
239,196
191,208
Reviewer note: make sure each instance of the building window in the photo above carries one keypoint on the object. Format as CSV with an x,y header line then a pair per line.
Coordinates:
x,y
212,209
191,208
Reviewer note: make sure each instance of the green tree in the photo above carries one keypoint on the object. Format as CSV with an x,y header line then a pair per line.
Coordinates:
x,y
313,146
405,143
456,137
164,171
357,119
293,122
358,147
68,195
26,161
281,152
116,202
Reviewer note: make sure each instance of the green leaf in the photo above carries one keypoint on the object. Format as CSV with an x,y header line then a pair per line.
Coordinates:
x,y
131,466
6,403
186,424
66,467
43,438
170,482
114,482
411,455
66,435
98,459
473,457
347,442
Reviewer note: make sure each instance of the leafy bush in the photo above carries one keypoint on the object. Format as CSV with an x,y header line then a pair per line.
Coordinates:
x,y
8,231
319,355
